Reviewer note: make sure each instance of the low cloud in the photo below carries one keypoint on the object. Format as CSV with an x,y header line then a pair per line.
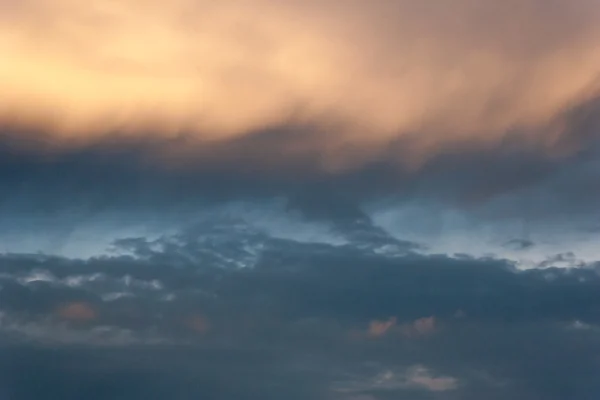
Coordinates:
x,y
380,328
290,313
413,329
325,200
198,324
420,327
77,312
422,377
417,376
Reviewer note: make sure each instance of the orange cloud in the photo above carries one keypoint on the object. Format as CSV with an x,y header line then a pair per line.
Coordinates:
x,y
198,323
77,312
416,328
380,328
437,73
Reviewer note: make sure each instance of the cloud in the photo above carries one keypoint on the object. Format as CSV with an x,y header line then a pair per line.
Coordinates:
x,y
342,92
299,199
279,327
421,376
198,323
519,244
479,188
380,328
420,327
15,330
77,312
416,376
417,328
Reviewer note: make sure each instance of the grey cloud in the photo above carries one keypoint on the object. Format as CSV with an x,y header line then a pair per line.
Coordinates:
x,y
194,313
117,184
519,244
297,317
122,183
167,372
244,268
209,305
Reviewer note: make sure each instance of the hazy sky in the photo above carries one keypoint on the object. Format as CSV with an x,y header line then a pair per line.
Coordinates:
x,y
286,199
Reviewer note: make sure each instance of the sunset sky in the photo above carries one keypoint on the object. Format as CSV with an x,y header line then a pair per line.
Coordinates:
x,y
300,199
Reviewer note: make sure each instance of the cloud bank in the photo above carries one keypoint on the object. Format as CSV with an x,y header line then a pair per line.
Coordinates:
x,y
352,77
285,199
173,318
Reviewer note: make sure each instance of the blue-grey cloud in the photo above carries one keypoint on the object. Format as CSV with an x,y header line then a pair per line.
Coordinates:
x,y
297,314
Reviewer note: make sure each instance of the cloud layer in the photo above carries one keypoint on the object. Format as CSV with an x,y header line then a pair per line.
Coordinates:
x,y
175,317
351,77
285,199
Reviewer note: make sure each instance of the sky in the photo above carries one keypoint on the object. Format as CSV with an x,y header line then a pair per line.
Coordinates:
x,y
311,200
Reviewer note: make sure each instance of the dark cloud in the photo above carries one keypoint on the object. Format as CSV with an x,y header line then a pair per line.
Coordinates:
x,y
519,244
176,317
339,207
515,178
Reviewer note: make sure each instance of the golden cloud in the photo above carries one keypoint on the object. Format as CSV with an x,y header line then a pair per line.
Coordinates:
x,y
437,72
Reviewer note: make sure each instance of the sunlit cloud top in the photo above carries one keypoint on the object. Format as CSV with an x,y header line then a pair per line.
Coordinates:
x,y
437,72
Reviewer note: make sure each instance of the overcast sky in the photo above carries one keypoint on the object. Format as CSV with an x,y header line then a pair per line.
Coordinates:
x,y
286,199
